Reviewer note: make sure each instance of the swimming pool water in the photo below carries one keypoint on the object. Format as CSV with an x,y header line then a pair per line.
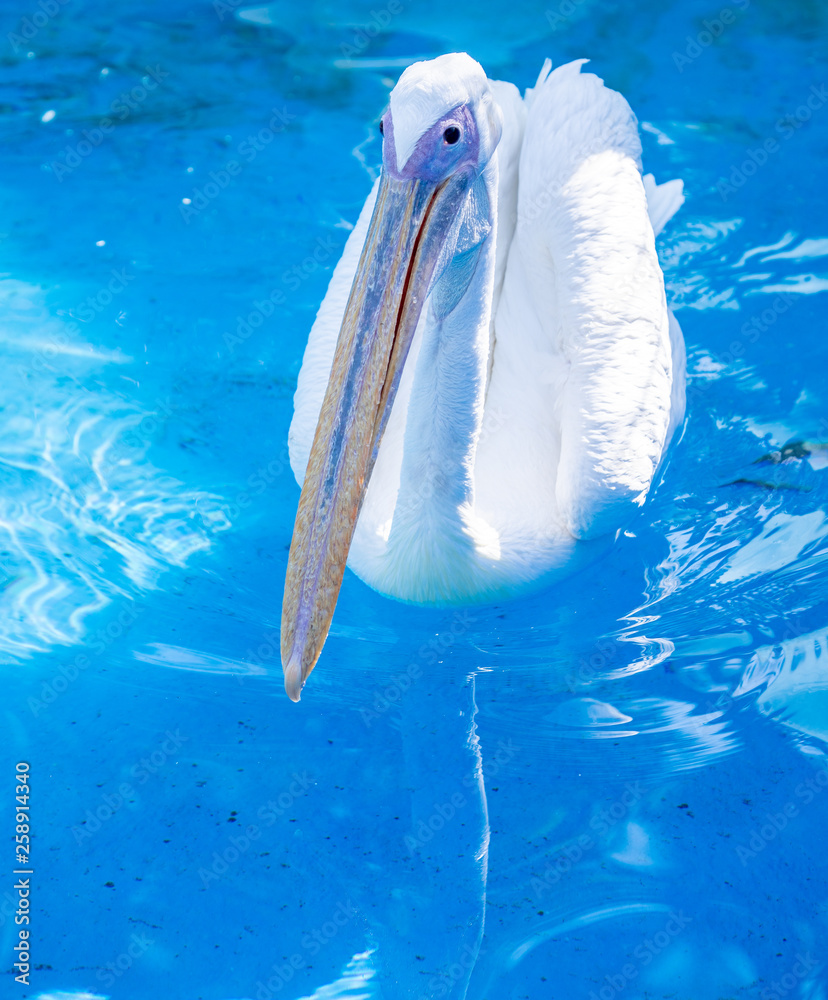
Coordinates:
x,y
617,787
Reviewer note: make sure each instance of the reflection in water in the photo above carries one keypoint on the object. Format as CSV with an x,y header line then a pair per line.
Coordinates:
x,y
784,538
679,251
584,920
438,861
791,682
182,658
355,983
691,244
84,517
69,995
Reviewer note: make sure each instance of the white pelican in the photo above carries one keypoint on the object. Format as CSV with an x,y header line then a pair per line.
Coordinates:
x,y
493,376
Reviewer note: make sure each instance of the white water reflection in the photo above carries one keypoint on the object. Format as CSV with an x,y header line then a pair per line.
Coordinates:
x,y
182,658
794,674
84,516
695,281
70,995
782,540
355,983
806,250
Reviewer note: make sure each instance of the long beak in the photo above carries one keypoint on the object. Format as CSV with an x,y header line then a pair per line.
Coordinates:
x,y
408,228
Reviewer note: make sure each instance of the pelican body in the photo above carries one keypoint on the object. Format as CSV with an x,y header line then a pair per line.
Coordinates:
x,y
494,375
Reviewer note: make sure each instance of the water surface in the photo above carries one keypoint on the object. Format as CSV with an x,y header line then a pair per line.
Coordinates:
x,y
613,788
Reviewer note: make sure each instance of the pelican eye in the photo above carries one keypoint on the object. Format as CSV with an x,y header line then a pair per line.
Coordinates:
x,y
451,134
382,128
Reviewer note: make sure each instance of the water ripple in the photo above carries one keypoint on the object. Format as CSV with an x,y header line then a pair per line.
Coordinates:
x,y
792,680
84,516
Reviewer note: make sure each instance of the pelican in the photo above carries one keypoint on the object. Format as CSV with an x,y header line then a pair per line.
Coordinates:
x,y
494,375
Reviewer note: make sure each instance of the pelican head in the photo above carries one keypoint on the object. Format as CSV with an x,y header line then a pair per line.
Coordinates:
x,y
440,120
440,131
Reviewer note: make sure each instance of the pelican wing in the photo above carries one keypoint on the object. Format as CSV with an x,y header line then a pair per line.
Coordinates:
x,y
583,303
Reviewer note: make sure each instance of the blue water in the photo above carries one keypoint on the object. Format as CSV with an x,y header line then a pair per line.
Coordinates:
x,y
614,788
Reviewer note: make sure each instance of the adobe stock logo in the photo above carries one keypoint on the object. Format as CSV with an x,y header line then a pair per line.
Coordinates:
x,y
643,954
122,107
711,30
